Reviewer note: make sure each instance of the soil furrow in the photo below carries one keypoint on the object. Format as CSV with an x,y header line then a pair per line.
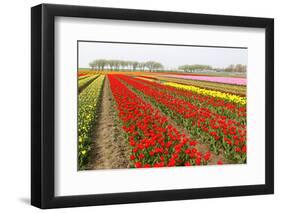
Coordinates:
x,y
109,148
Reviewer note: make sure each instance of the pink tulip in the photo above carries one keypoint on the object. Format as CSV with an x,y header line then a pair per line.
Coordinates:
x,y
225,80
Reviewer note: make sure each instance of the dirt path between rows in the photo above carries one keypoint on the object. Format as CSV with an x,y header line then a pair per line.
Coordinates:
x,y
109,148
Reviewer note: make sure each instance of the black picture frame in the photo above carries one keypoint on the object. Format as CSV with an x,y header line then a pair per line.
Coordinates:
x,y
43,102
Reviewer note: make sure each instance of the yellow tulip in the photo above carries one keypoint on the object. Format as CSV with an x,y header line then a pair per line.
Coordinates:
x,y
216,94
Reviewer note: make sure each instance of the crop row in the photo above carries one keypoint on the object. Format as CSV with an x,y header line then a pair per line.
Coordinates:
x,y
217,79
84,82
226,88
215,105
216,94
83,77
153,142
223,135
88,103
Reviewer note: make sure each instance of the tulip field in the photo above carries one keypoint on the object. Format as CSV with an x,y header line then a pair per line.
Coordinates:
x,y
153,119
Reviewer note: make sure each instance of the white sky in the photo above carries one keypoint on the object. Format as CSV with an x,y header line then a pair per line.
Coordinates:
x,y
169,56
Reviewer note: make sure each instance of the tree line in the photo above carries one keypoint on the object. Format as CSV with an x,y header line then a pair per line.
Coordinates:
x,y
236,68
120,65
116,65
200,67
194,67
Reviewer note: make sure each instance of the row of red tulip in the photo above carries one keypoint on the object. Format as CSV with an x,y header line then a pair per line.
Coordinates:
x,y
226,136
216,105
153,141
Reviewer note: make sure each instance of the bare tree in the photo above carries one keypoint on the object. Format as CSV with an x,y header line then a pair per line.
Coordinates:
x,y
102,64
135,64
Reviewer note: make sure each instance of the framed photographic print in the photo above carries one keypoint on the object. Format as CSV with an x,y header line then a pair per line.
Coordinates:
x,y
139,106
